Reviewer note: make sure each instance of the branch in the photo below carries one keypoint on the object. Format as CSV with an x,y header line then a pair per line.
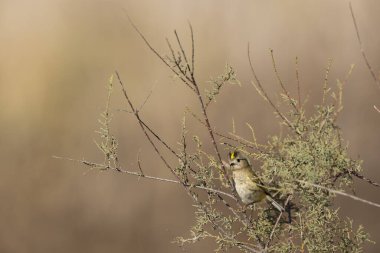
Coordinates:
x,y
191,82
340,193
192,47
184,184
375,78
326,81
153,133
377,109
238,139
140,174
166,180
281,83
365,179
298,85
276,224
263,93
157,53
202,104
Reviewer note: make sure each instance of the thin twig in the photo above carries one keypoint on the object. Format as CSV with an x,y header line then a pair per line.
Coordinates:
x,y
177,63
377,109
276,224
186,186
182,50
340,193
154,134
195,88
156,52
262,92
136,113
159,138
202,104
375,78
298,85
365,179
209,128
192,47
284,89
189,186
326,81
239,140
244,246
147,97
139,163
142,175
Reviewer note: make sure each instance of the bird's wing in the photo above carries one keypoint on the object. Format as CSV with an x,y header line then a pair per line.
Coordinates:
x,y
258,183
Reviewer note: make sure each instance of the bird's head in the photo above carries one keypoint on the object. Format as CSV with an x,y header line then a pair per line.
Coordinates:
x,y
237,161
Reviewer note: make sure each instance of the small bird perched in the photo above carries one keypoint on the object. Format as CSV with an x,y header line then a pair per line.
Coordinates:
x,y
248,185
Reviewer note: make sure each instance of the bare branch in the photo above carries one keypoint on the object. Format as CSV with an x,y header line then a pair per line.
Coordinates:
x,y
136,113
239,140
284,89
365,179
156,52
375,78
377,109
192,48
159,138
142,175
326,81
182,50
298,85
139,163
276,224
195,88
209,128
147,97
340,193
154,134
207,122
177,62
187,187
263,93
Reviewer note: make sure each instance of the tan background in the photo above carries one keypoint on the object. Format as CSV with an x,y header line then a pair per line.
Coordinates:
x,y
56,57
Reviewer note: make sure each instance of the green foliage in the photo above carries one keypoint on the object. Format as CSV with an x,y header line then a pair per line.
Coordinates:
x,y
311,151
302,168
229,77
108,144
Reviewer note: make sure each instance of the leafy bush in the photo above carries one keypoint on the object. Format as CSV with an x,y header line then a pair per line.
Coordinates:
x,y
304,168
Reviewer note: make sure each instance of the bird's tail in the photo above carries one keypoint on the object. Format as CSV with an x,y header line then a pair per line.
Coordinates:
x,y
275,204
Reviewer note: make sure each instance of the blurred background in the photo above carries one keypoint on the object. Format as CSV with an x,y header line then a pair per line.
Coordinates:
x,y
56,59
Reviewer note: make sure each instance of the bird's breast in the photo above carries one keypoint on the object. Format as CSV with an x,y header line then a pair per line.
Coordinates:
x,y
247,190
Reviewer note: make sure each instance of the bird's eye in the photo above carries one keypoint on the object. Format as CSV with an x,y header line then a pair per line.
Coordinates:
x,y
238,160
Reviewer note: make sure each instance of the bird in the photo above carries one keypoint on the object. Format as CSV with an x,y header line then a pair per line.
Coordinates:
x,y
247,184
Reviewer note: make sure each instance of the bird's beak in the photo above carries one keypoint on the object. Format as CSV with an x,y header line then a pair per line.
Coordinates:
x,y
232,164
